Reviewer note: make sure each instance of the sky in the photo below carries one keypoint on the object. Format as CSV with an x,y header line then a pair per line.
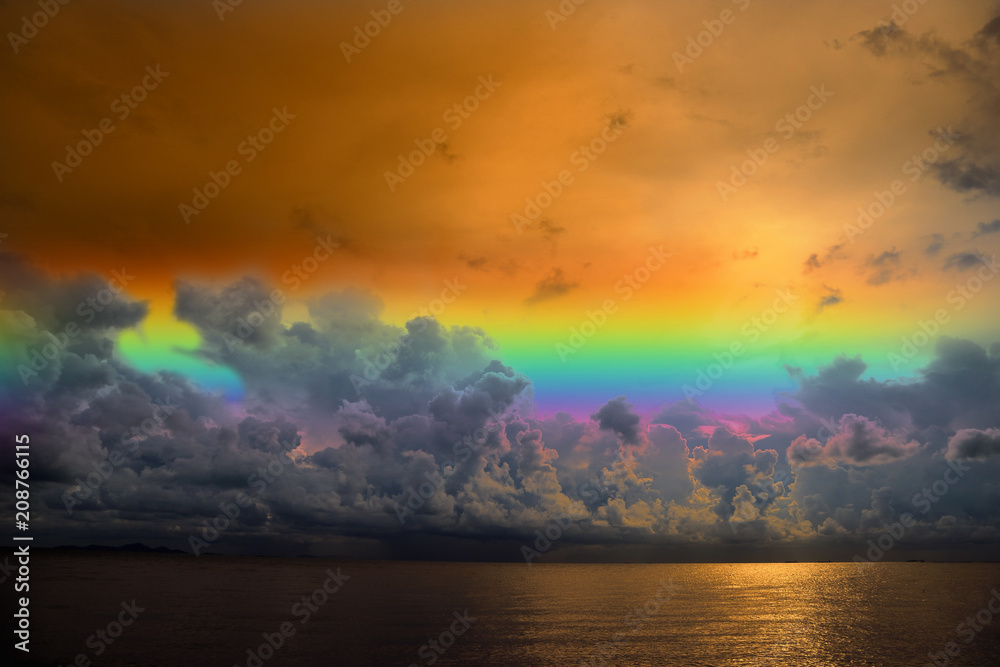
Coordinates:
x,y
704,279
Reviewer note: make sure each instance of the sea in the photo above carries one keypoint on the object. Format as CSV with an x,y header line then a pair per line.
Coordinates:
x,y
107,608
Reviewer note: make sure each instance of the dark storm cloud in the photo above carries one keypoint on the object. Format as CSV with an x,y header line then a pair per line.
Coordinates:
x,y
88,301
226,312
858,440
616,415
971,443
375,434
730,462
959,388
686,416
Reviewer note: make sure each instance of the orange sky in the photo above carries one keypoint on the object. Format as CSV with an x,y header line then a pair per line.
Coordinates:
x,y
657,183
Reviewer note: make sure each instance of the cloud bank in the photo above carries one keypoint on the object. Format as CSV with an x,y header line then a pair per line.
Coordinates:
x,y
421,442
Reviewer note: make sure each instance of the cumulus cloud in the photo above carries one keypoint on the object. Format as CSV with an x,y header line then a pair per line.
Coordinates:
x,y
421,435
858,440
616,415
973,443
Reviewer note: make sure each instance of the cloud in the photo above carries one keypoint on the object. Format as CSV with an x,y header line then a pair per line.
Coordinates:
x,y
443,433
959,388
857,440
549,229
91,302
984,228
963,261
726,442
233,310
974,65
966,175
619,120
880,40
814,261
883,267
616,415
686,416
833,297
973,443
552,286
991,31
934,247
476,263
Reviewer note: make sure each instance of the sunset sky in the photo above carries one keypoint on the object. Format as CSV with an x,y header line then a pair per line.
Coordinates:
x,y
662,243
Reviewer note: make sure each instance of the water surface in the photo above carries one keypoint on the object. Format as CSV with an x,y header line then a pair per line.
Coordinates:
x,y
211,610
